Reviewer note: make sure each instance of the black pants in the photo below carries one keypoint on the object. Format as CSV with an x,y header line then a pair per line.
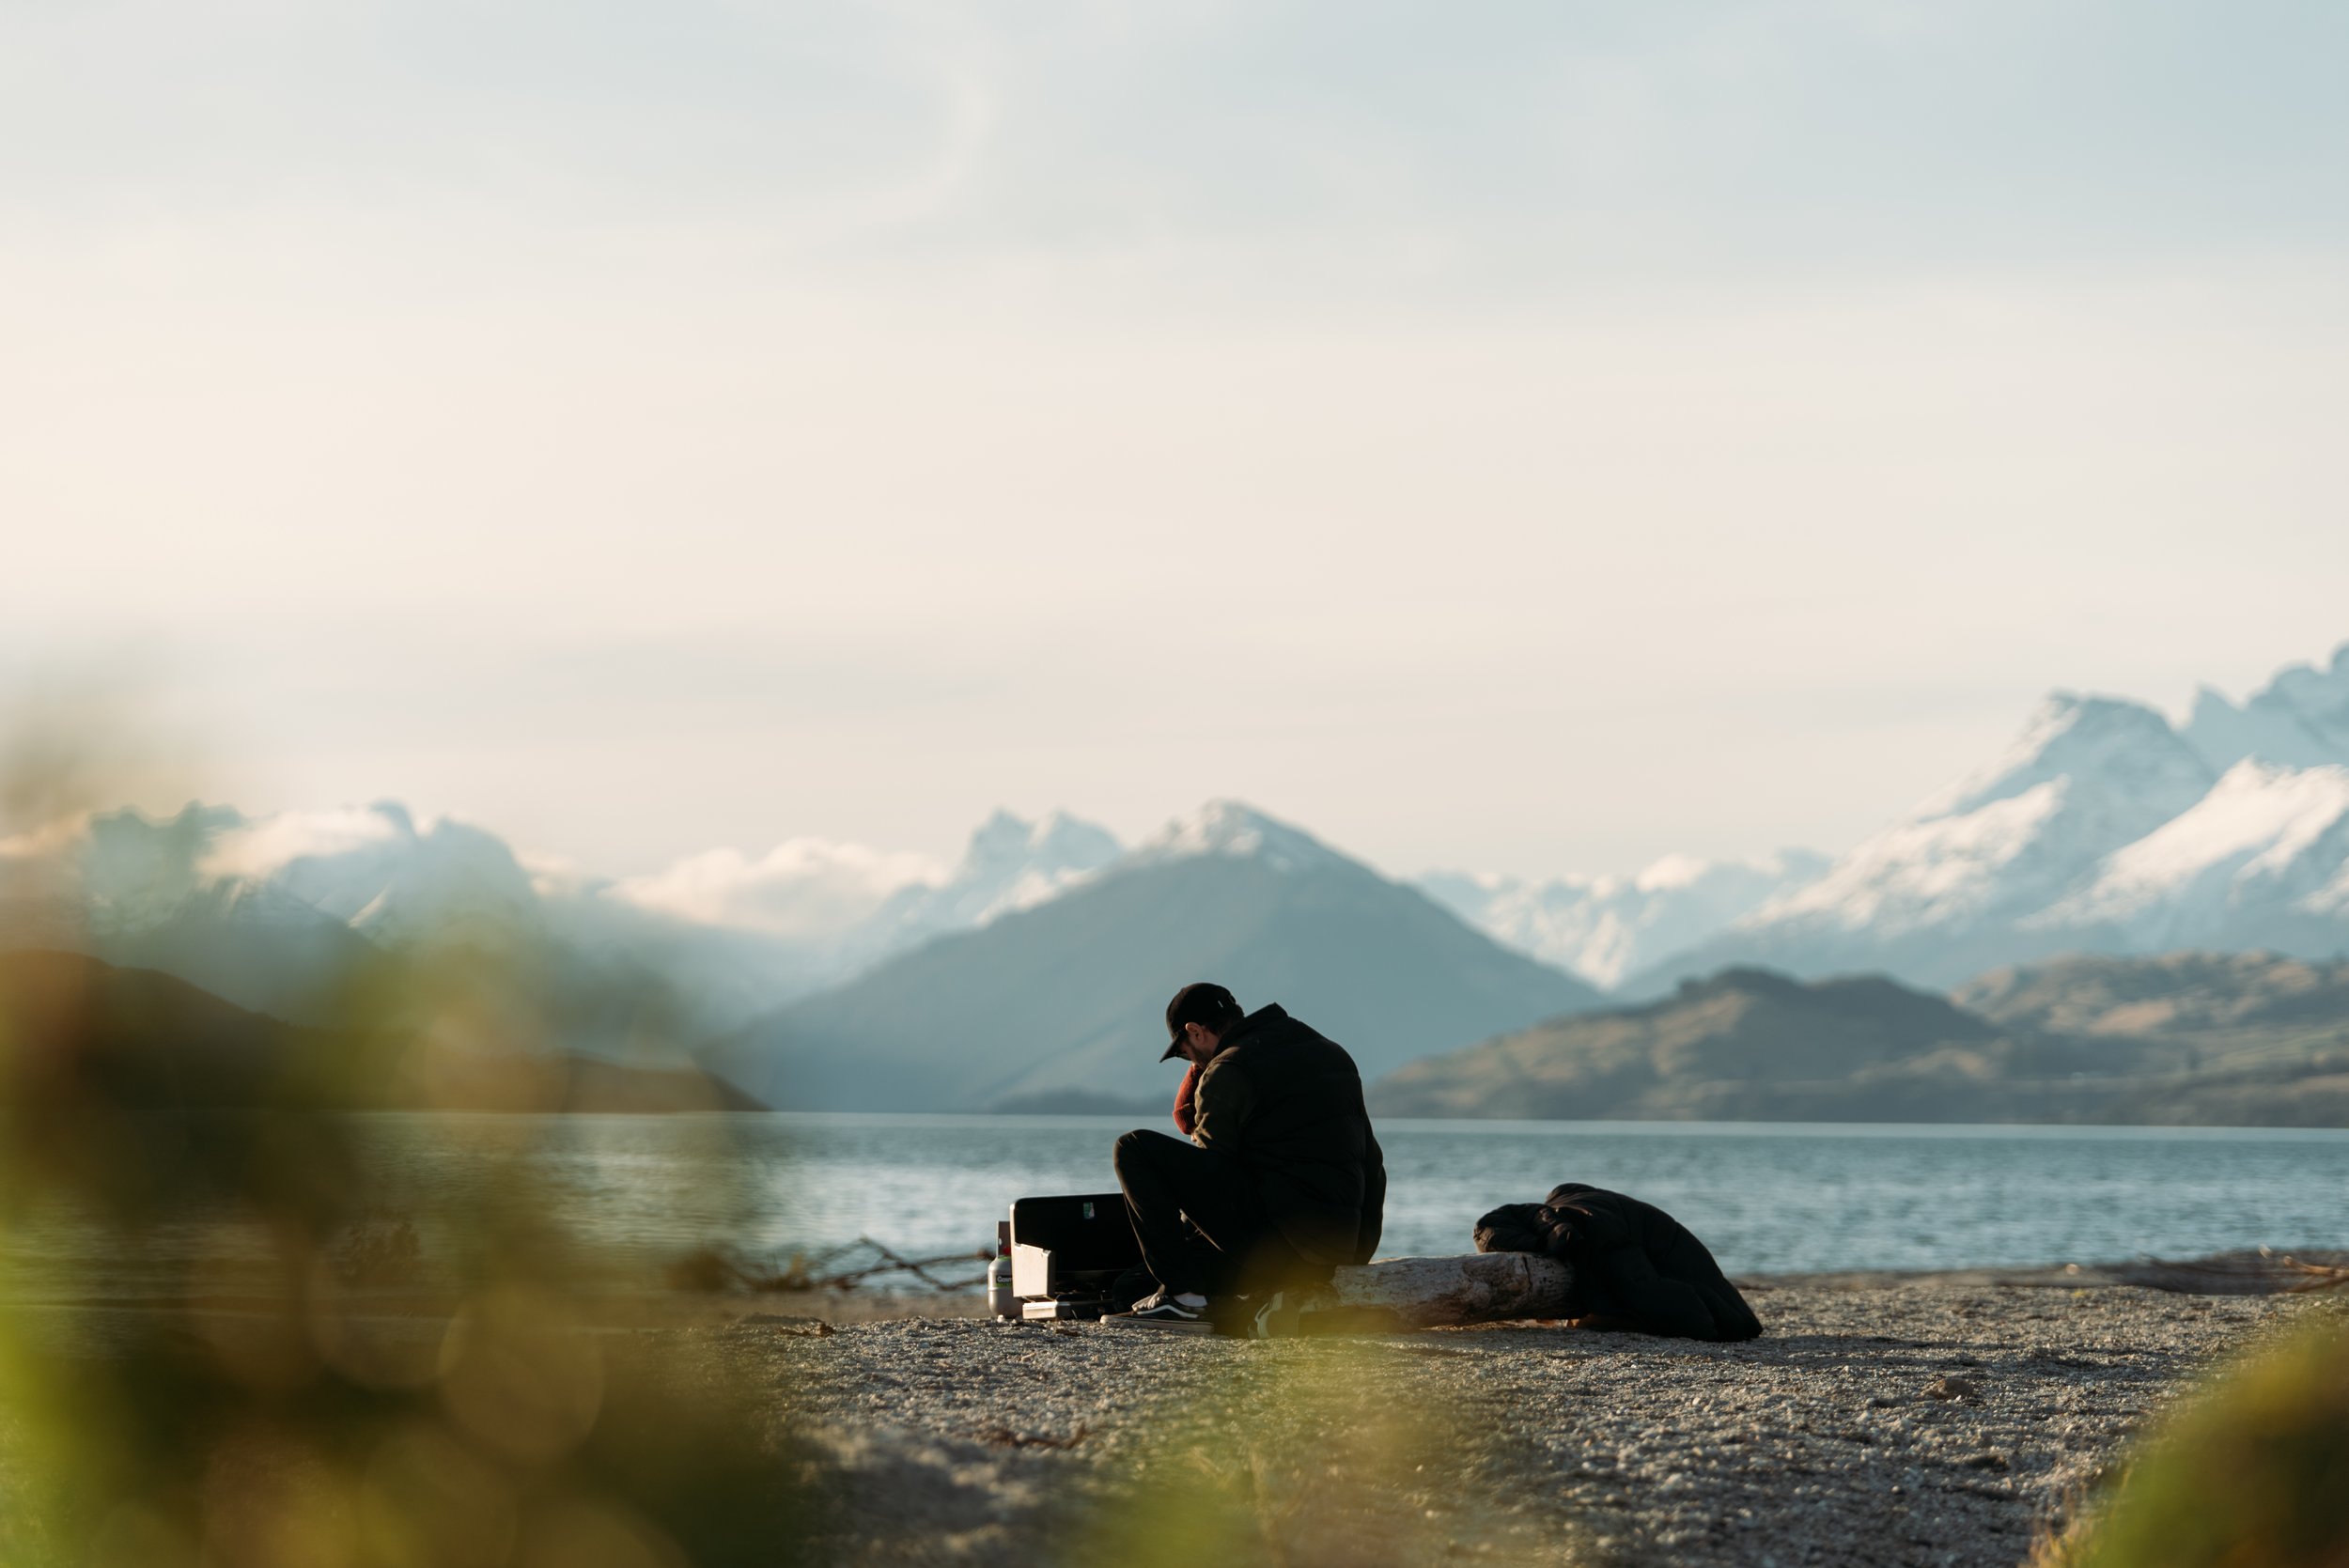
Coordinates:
x,y
1195,1214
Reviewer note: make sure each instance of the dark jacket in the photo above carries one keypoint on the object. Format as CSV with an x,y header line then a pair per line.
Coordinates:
x,y
1634,1264
1288,1104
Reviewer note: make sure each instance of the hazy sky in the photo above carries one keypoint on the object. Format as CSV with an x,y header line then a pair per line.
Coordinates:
x,y
1527,437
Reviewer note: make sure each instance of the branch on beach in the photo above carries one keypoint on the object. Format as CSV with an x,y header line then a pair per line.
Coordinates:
x,y
2264,1272
712,1269
2316,1277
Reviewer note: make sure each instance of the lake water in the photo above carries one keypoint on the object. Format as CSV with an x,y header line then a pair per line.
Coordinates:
x,y
1765,1197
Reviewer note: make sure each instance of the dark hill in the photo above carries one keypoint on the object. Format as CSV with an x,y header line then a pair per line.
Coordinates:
x,y
1748,1044
76,1028
2197,1039
2206,997
74,1025
2246,1039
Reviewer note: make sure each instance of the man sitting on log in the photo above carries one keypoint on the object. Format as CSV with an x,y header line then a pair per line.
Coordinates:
x,y
1635,1267
1281,1179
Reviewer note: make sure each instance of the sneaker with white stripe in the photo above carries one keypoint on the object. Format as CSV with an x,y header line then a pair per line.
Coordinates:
x,y
1159,1310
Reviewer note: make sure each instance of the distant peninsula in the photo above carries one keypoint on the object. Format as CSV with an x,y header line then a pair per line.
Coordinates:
x,y
2187,1039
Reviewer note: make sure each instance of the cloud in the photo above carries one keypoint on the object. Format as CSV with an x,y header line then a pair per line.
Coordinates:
x,y
261,849
804,888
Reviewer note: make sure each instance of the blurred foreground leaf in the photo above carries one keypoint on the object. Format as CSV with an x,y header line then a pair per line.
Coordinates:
x,y
2252,1472
301,1378
1318,1455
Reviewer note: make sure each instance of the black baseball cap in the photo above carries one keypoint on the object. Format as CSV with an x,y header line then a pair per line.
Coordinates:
x,y
1203,1002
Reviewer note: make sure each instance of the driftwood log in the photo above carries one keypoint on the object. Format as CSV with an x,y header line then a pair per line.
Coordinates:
x,y
1426,1293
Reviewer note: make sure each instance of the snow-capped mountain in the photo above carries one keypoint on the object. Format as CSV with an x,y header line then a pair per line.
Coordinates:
x,y
2300,718
2260,862
283,913
374,870
2102,829
1236,830
1010,864
276,913
2087,776
1605,927
371,869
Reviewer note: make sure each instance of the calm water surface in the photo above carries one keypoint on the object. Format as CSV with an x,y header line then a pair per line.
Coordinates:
x,y
1765,1197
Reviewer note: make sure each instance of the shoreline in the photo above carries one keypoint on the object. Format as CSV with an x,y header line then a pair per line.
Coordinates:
x,y
2249,1271
1918,1418
2260,1271
1925,1418
1153,1113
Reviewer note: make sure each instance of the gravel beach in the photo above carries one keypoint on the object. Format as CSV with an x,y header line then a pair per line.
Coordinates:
x,y
1882,1420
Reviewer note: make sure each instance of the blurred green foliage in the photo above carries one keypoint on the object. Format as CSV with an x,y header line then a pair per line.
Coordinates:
x,y
2252,1472
1322,1454
326,1385
313,1393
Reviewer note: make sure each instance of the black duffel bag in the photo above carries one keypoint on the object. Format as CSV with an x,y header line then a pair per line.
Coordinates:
x,y
1635,1267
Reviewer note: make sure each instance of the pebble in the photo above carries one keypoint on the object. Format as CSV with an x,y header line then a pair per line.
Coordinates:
x,y
1908,1420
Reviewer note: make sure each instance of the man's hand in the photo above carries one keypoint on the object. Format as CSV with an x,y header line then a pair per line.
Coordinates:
x,y
1185,1112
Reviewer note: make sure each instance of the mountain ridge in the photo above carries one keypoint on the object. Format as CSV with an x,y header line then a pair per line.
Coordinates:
x,y
1067,995
2100,828
278,912
1605,927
